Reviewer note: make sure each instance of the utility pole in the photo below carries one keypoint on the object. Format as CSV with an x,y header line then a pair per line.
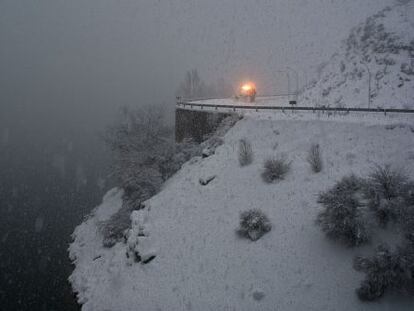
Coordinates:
x,y
369,84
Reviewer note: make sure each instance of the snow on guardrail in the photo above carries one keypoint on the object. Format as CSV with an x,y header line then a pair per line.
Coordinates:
x,y
276,104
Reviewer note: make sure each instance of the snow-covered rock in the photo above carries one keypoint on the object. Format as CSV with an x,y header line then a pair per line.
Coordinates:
x,y
140,245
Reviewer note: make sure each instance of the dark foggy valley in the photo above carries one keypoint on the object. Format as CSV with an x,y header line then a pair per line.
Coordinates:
x,y
77,77
47,188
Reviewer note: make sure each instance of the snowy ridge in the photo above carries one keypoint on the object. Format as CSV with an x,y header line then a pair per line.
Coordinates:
x,y
384,46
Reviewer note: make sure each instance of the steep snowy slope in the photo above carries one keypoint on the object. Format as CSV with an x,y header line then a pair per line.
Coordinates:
x,y
202,264
379,51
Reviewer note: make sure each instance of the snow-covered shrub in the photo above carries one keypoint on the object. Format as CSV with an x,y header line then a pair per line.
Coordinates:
x,y
315,158
386,270
386,189
245,152
342,218
254,224
275,169
387,182
114,229
141,186
347,208
406,211
139,142
178,155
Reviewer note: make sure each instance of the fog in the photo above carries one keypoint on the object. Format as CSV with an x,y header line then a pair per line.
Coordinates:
x,y
71,63
66,66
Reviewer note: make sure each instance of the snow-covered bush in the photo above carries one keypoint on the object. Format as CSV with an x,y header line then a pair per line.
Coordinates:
x,y
275,169
406,211
254,224
389,194
386,191
342,218
386,270
114,229
139,142
177,156
245,152
315,158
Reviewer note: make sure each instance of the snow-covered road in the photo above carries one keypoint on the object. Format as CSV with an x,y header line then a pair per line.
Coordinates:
x,y
277,108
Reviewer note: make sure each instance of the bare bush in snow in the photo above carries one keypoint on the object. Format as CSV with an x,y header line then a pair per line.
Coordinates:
x,y
348,206
315,158
386,270
254,224
342,218
390,194
114,229
406,213
386,191
275,169
245,152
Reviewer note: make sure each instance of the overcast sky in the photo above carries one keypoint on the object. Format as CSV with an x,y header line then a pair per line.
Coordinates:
x,y
73,61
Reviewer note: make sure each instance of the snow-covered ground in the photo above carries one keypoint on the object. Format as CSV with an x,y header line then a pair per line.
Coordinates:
x,y
202,264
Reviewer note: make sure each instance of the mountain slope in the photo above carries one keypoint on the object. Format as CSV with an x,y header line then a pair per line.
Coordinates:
x,y
202,264
381,48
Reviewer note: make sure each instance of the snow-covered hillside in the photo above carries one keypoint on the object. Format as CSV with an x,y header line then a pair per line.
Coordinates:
x,y
202,264
382,47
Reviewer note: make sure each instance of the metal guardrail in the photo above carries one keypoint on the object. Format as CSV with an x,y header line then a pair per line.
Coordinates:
x,y
188,100
191,104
